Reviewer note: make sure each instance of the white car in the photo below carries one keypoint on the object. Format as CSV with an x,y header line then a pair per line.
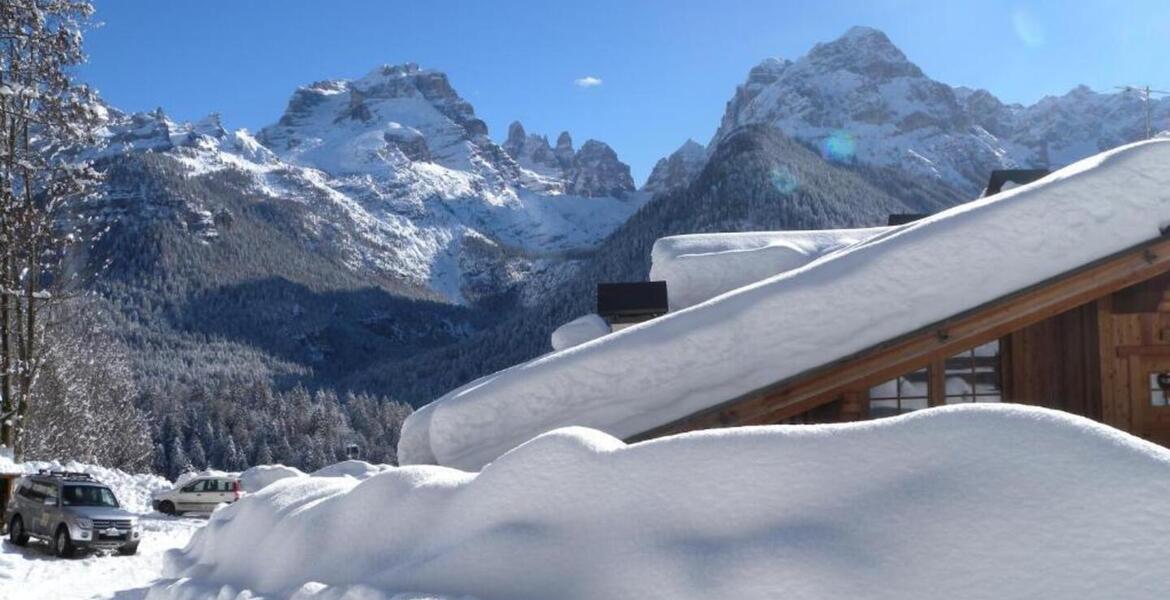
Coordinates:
x,y
201,494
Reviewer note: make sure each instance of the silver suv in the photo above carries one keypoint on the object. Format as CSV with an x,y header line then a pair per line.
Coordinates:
x,y
73,512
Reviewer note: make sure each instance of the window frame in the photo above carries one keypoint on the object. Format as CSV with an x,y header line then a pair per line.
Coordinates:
x,y
936,384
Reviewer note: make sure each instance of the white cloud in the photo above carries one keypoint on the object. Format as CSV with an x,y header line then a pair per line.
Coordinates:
x,y
587,82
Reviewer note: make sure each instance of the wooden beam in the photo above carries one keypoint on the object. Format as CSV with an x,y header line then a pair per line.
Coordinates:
x,y
1128,351
936,374
940,340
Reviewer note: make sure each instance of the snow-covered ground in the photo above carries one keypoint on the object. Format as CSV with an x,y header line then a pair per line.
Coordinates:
x,y
961,502
33,571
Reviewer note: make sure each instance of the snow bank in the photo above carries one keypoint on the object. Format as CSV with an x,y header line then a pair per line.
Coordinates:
x,y
133,490
699,267
972,501
847,301
262,476
358,469
578,331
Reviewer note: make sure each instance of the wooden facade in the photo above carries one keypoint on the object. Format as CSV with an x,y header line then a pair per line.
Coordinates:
x,y
1094,342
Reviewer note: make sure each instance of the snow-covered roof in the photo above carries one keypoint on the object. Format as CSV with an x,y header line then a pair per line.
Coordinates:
x,y
958,502
698,267
840,304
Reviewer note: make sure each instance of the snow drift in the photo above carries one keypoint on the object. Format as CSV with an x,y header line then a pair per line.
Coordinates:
x,y
842,303
578,331
358,469
973,501
698,267
133,490
259,477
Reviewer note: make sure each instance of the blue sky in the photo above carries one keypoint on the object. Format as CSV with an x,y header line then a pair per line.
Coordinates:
x,y
665,68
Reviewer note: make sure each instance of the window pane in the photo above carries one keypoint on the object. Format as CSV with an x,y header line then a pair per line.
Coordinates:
x,y
910,404
883,408
904,394
888,389
973,375
1157,394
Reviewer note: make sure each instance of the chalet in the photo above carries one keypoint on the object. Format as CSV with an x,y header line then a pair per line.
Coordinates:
x,y
1055,293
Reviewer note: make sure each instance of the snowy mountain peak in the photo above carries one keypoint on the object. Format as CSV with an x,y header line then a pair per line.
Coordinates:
x,y
691,148
596,171
865,51
860,99
564,142
211,126
394,115
516,134
677,170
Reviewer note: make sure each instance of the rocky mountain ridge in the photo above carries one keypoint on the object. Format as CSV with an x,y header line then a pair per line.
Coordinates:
x,y
399,176
593,171
860,99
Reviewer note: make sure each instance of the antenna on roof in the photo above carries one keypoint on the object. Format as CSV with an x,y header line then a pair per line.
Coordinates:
x,y
1146,93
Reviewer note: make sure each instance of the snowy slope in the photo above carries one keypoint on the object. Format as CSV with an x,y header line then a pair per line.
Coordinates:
x,y
965,502
698,267
664,369
133,490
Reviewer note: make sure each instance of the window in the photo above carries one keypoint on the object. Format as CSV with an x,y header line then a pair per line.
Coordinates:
x,y
44,490
970,376
1159,396
88,495
901,395
973,375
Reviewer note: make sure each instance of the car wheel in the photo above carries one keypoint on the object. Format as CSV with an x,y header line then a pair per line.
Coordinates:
x,y
128,549
62,544
166,507
16,533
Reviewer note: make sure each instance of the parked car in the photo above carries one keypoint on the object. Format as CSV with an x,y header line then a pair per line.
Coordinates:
x,y
71,511
201,494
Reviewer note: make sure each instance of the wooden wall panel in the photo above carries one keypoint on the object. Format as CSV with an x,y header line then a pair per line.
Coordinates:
x,y
1126,336
1056,363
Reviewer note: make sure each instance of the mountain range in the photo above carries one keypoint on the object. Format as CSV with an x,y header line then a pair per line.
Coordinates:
x,y
376,238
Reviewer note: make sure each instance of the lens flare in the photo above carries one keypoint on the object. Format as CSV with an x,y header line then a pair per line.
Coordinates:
x,y
783,180
1028,28
839,147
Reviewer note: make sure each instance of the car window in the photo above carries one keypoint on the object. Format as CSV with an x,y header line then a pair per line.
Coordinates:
x,y
88,495
44,490
193,487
